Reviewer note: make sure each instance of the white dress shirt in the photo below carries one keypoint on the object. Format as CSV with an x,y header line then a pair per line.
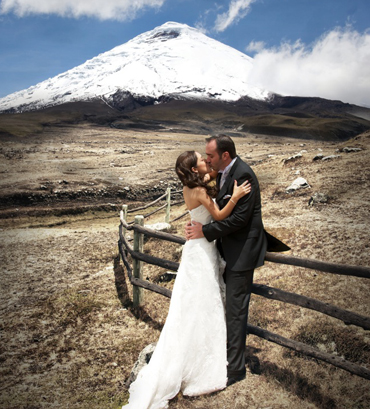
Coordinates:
x,y
225,172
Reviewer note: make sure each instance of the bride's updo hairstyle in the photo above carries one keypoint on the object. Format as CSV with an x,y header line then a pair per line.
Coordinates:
x,y
184,164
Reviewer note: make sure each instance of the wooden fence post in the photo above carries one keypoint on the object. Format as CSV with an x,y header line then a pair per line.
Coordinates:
x,y
124,210
138,294
168,208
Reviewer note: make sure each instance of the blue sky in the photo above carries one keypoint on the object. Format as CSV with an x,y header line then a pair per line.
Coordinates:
x,y
301,47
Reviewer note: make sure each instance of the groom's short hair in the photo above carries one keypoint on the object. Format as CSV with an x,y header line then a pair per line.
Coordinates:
x,y
224,144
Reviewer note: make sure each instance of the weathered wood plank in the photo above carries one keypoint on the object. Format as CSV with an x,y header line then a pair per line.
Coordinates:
x,y
154,233
310,351
324,266
152,203
348,317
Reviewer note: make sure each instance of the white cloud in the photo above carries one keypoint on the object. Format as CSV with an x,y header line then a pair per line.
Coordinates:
x,y
255,46
336,66
238,9
101,9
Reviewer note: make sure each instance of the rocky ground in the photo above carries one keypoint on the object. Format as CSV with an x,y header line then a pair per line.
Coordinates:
x,y
69,334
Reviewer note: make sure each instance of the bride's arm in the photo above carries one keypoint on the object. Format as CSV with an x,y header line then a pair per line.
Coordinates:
x,y
211,206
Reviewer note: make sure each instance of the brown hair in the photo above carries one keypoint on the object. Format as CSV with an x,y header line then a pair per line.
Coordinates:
x,y
184,164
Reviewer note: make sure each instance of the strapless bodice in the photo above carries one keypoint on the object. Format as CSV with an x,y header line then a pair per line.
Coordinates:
x,y
200,214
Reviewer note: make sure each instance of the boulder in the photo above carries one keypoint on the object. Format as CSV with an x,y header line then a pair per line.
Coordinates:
x,y
293,158
348,149
318,198
167,277
299,183
330,157
143,360
319,156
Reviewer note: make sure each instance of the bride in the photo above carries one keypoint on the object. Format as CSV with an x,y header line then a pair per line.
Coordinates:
x,y
190,354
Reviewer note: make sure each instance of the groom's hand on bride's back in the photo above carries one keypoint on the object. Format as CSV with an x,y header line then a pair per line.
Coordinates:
x,y
193,230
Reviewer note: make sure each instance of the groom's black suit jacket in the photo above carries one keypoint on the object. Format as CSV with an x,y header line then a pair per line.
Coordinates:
x,y
241,237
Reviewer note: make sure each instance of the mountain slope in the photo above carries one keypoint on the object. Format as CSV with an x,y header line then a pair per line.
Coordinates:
x,y
173,59
309,118
298,117
174,78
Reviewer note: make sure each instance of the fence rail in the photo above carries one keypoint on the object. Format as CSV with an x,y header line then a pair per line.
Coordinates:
x,y
348,317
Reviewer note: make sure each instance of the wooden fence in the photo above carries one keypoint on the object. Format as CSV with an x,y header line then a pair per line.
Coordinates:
x,y
135,277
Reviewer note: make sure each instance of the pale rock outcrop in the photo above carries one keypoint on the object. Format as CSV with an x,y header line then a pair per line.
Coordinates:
x,y
143,359
299,183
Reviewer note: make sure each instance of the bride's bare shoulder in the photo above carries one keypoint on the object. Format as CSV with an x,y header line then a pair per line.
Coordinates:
x,y
194,192
193,196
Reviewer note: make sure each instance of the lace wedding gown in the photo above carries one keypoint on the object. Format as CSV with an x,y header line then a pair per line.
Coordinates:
x,y
191,351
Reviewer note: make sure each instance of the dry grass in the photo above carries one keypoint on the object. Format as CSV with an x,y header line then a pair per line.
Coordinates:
x,y
69,334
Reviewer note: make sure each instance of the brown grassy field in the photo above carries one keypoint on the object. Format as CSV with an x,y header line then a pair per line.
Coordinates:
x,y
69,334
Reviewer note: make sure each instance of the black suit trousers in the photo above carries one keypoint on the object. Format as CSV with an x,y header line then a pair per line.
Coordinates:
x,y
238,293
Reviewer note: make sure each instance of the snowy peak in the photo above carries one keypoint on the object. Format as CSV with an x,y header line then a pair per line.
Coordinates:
x,y
170,60
166,32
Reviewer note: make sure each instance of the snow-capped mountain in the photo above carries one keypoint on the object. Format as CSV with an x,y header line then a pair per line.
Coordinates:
x,y
173,59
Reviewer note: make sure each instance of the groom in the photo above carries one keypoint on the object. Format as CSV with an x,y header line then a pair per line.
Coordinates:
x,y
241,241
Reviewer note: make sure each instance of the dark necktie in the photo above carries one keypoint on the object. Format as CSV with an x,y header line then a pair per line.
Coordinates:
x,y
218,179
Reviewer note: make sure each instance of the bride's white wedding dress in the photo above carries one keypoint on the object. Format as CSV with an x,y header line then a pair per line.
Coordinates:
x,y
191,351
